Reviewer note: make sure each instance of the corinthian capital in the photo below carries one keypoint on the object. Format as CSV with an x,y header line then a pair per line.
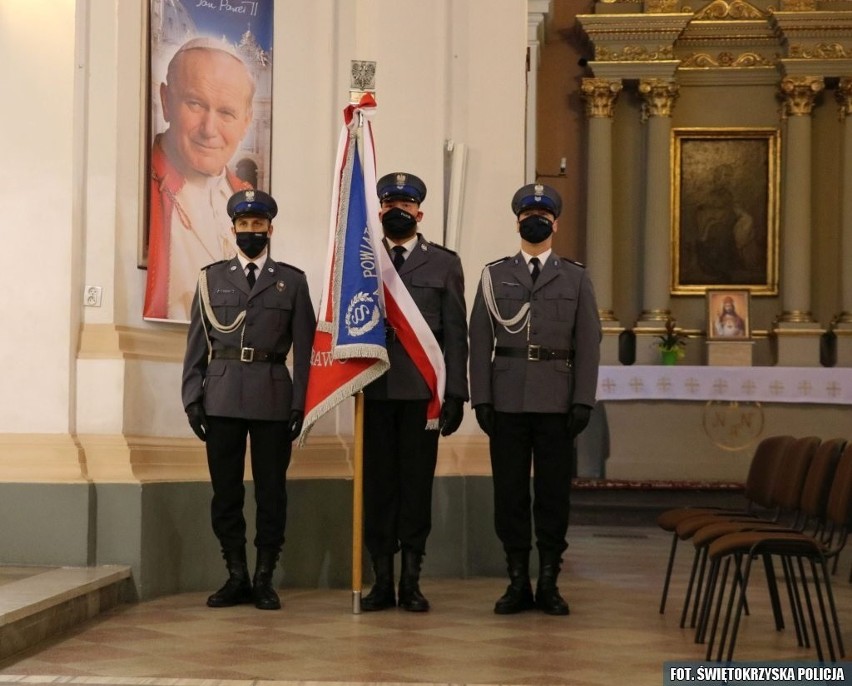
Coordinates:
x,y
600,96
658,97
844,96
799,94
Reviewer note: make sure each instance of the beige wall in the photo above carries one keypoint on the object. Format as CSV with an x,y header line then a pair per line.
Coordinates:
x,y
73,194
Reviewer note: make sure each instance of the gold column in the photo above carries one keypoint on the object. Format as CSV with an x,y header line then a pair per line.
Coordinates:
x,y
600,96
843,328
658,98
798,94
798,335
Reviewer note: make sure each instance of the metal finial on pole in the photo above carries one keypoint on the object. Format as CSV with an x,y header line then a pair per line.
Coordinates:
x,y
362,80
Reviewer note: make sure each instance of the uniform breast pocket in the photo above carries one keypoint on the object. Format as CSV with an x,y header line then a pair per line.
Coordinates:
x,y
225,304
561,304
426,292
510,298
278,309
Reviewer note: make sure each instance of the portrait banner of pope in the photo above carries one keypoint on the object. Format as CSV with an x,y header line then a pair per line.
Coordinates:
x,y
210,135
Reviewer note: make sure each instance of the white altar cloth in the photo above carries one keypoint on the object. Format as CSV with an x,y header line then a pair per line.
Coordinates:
x,y
819,385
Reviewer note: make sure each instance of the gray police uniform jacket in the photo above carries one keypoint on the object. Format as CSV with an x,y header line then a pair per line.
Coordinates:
x,y
433,275
563,316
279,316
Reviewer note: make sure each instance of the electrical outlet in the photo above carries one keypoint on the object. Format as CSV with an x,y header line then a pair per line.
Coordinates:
x,y
92,296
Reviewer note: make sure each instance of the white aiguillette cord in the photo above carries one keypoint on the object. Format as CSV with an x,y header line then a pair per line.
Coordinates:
x,y
207,308
522,316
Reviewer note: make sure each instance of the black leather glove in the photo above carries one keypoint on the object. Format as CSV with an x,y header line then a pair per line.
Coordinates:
x,y
297,418
578,419
197,419
452,412
485,417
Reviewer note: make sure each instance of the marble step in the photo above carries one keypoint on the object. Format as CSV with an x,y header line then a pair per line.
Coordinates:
x,y
43,602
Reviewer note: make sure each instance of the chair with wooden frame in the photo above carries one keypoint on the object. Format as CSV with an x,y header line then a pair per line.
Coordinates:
x,y
758,493
791,547
808,515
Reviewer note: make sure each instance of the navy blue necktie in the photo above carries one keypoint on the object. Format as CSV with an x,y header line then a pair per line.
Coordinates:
x,y
536,268
398,257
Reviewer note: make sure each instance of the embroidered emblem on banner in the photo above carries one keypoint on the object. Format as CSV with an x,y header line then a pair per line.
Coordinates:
x,y
362,314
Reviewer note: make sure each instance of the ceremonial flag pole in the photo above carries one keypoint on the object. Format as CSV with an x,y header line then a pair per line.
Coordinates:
x,y
362,294
358,505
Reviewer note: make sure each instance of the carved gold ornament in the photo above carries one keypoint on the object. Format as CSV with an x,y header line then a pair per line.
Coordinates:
x,y
658,97
799,94
737,9
634,53
843,94
726,60
820,51
599,96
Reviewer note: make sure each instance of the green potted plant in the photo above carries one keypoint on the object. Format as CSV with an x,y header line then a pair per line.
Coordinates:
x,y
671,345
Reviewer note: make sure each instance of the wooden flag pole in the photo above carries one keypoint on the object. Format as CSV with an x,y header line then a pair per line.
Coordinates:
x,y
363,80
358,504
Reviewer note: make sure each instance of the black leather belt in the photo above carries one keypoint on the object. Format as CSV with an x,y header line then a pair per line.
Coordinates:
x,y
534,353
390,336
249,355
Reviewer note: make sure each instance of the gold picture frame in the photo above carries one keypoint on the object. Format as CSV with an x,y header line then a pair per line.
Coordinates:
x,y
725,190
728,314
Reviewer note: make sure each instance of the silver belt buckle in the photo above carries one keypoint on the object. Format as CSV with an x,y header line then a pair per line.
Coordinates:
x,y
534,353
246,354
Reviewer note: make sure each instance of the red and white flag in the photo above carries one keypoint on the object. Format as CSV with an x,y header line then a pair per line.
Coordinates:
x,y
362,290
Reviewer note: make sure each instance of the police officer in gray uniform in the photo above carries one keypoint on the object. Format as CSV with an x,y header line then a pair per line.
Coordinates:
x,y
399,453
247,314
534,354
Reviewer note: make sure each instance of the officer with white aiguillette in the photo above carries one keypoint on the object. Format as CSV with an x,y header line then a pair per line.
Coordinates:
x,y
247,315
534,352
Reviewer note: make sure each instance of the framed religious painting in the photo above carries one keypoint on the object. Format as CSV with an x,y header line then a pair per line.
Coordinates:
x,y
725,188
209,113
728,314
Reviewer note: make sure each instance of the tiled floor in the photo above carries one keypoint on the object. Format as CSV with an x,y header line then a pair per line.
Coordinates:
x,y
613,635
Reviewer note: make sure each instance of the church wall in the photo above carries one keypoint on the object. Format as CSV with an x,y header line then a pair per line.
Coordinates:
x,y
96,428
37,177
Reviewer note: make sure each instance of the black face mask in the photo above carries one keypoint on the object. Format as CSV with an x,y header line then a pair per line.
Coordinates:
x,y
535,228
252,244
398,223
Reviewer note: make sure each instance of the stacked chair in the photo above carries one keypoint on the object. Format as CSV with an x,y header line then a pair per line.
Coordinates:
x,y
793,548
799,507
785,494
765,465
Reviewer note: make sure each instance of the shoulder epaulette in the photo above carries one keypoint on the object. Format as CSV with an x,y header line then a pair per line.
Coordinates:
x,y
442,247
579,264
213,264
502,259
290,266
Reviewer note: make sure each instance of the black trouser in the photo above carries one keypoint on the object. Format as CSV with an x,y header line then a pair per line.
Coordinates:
x,y
519,441
399,466
270,457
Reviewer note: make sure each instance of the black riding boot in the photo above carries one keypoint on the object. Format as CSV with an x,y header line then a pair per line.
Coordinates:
x,y
410,597
265,597
518,596
547,597
382,596
237,588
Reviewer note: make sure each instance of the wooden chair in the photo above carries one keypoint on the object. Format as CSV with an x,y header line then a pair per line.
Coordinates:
x,y
786,498
809,515
758,493
794,549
